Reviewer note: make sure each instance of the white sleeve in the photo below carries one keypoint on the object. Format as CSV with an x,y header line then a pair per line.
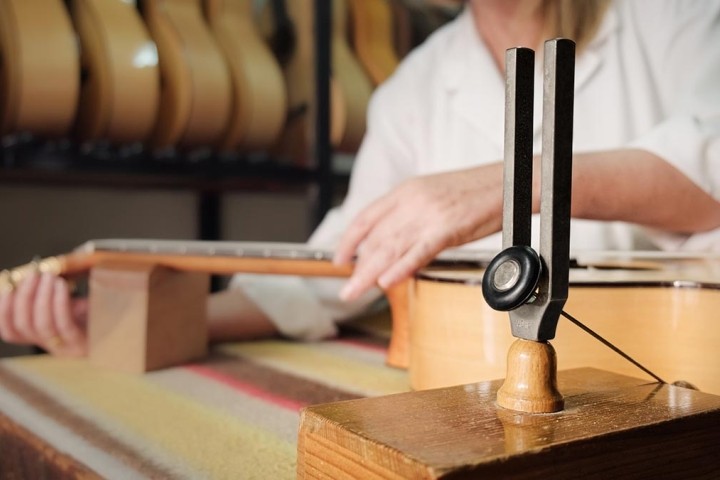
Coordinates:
x,y
683,45
308,308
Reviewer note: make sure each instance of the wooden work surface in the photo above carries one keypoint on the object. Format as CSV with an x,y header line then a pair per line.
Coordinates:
x,y
613,426
234,415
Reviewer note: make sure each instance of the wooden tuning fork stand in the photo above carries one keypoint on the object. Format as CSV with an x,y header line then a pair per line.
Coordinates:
x,y
144,317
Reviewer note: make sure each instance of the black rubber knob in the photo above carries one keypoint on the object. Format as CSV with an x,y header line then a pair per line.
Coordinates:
x,y
511,278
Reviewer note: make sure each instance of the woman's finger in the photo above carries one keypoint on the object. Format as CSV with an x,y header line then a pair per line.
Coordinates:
x,y
364,277
23,309
360,227
383,248
417,256
70,333
7,328
43,311
79,311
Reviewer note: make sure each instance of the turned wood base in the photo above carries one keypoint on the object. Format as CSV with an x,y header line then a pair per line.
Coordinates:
x,y
612,426
531,382
145,317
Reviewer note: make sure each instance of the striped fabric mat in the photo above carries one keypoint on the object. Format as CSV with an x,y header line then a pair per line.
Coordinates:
x,y
233,415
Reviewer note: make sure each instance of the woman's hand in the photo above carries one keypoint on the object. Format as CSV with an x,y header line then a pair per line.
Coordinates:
x,y
405,229
40,312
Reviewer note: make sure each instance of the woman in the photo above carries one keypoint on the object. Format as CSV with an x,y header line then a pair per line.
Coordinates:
x,y
647,108
646,173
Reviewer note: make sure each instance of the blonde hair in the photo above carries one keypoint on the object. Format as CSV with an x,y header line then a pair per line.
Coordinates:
x,y
577,20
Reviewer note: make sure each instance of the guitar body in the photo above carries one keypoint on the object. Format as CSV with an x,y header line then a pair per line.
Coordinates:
x,y
259,104
299,77
403,35
373,38
196,96
352,84
39,68
120,96
664,316
350,87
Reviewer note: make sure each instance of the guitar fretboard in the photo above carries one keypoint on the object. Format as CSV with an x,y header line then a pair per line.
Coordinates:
x,y
209,248
275,250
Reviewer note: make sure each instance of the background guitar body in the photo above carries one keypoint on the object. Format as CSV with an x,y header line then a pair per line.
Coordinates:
x,y
373,37
413,22
259,104
352,83
350,88
402,28
120,93
196,96
39,71
299,75
665,318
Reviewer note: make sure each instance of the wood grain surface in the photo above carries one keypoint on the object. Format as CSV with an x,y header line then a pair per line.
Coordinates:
x,y
39,68
612,427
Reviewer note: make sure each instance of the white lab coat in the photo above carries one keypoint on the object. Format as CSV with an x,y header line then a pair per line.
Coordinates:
x,y
649,79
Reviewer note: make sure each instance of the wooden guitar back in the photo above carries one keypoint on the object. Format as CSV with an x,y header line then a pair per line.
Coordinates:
x,y
665,319
353,85
350,88
259,99
39,68
373,37
299,76
121,89
402,28
196,95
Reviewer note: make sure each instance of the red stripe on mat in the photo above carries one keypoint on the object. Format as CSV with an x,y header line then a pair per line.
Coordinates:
x,y
360,343
246,388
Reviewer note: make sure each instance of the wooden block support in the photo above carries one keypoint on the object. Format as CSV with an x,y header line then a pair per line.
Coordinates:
x,y
146,317
613,426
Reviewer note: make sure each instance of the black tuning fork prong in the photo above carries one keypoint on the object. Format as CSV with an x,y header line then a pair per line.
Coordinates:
x,y
518,164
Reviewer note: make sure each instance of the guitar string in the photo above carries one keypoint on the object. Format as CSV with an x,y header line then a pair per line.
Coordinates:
x,y
612,347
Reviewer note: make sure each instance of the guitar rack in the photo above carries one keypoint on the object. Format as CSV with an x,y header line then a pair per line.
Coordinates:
x,y
25,160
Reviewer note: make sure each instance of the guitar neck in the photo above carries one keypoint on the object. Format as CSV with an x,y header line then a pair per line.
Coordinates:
x,y
215,257
223,258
